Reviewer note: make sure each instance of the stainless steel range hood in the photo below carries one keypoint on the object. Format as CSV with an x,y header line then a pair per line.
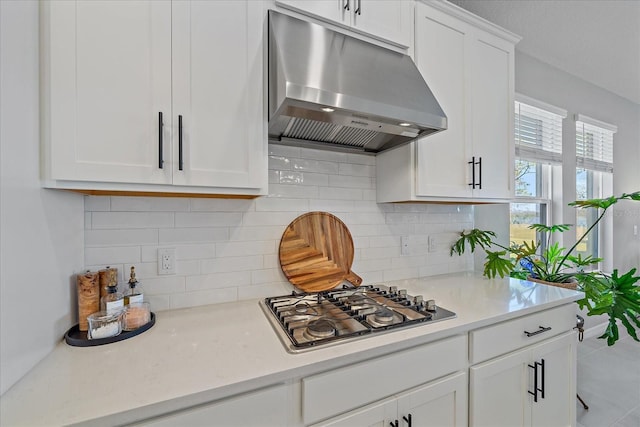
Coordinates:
x,y
334,90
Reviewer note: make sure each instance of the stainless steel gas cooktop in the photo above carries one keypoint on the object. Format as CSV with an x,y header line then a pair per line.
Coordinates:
x,y
310,320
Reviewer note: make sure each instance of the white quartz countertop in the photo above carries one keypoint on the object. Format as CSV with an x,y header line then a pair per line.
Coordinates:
x,y
195,355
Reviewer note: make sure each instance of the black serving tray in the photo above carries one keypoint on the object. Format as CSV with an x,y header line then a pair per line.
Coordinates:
x,y
78,338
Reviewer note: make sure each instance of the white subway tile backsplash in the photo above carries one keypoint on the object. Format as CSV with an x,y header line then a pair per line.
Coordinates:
x,y
164,285
357,170
144,204
264,290
278,204
169,236
312,165
208,219
267,275
240,263
345,181
111,255
286,151
126,220
233,249
221,205
194,299
97,203
218,280
227,249
339,193
144,236
297,191
200,251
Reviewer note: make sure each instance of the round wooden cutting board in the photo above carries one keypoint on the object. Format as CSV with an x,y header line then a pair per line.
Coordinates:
x,y
316,252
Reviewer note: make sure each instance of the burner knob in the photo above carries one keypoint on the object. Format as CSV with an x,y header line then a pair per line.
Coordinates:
x,y
431,305
417,300
402,293
393,289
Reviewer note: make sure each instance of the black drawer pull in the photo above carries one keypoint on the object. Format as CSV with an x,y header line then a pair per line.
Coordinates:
x,y
539,331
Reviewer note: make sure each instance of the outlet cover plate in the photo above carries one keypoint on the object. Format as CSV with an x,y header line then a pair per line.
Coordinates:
x,y
166,261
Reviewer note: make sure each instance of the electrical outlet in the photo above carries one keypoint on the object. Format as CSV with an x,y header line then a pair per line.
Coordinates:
x,y
431,243
404,245
166,261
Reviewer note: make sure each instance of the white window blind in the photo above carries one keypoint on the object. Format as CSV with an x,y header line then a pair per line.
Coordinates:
x,y
594,144
538,131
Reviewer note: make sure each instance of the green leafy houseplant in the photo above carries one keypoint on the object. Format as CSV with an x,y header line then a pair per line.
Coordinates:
x,y
617,296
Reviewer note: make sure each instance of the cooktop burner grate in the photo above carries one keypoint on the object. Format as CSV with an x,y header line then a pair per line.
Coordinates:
x,y
308,320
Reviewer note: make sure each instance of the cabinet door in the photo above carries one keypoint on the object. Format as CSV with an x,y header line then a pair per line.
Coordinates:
x,y
379,414
492,110
440,403
558,381
385,19
218,91
264,408
498,391
108,76
338,11
441,56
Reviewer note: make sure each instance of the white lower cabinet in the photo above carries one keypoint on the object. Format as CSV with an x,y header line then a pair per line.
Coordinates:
x,y
533,386
265,408
408,382
438,403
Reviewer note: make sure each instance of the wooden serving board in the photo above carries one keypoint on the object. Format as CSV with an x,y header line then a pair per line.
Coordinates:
x,y
316,252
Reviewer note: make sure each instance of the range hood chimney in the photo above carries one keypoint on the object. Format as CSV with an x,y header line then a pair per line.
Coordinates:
x,y
330,90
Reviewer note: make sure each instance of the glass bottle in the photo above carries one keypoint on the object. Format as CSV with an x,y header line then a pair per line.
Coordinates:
x,y
112,301
133,294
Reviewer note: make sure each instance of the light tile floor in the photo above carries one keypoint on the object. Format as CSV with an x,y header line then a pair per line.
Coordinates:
x,y
609,383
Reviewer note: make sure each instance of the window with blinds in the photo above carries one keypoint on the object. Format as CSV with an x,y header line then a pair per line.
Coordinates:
x,y
538,132
594,144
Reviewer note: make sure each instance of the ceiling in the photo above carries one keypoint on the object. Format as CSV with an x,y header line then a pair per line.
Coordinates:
x,y
596,40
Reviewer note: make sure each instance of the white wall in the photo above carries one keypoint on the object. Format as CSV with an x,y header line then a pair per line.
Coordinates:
x,y
41,231
546,83
227,250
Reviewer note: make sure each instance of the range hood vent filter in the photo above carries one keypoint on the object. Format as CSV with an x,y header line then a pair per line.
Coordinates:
x,y
312,130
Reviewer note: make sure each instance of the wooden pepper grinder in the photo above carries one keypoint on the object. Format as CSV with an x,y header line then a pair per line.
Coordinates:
x,y
108,277
88,297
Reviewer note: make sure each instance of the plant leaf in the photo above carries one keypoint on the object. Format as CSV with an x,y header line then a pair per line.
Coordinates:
x,y
542,228
497,263
472,238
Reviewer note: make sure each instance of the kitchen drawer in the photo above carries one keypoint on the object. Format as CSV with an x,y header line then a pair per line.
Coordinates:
x,y
341,390
492,341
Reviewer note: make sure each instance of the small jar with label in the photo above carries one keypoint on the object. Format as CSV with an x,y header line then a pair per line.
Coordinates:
x,y
133,294
113,301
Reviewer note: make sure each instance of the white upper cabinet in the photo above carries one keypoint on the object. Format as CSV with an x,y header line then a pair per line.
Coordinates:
x,y
389,20
469,66
154,96
107,79
217,94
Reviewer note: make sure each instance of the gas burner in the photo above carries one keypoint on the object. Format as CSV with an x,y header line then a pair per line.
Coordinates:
x,y
383,315
301,308
321,328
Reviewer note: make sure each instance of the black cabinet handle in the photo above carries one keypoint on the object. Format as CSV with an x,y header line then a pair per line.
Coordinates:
x,y
407,420
160,125
346,5
180,162
541,364
539,331
358,10
534,393
480,173
394,423
473,172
